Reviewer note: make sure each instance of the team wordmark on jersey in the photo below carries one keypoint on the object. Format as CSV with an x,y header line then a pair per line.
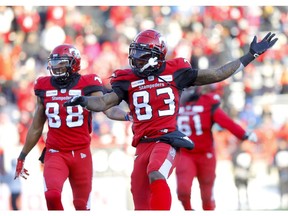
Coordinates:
x,y
54,98
150,86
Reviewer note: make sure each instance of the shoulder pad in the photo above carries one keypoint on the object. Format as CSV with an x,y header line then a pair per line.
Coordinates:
x,y
212,98
92,79
40,81
125,74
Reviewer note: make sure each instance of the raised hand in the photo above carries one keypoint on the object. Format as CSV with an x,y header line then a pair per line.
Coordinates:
x,y
257,49
20,170
77,100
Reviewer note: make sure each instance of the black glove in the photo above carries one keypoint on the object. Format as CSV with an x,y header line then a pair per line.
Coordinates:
x,y
257,49
76,100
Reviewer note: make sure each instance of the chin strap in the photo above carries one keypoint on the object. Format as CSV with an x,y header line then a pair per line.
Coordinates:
x,y
152,62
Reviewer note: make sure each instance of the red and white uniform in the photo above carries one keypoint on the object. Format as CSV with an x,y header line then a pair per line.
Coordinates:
x,y
196,119
154,105
68,140
69,127
153,102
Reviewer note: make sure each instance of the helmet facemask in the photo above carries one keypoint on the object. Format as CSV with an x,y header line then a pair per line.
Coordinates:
x,y
60,68
63,63
144,60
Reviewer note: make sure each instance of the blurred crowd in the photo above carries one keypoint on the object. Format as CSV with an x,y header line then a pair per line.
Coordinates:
x,y
208,36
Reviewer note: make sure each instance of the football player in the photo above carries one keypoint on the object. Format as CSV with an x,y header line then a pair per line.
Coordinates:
x,y
67,152
152,88
197,114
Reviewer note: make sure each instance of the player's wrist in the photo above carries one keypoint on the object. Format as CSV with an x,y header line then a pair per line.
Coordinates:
x,y
245,136
127,117
83,101
22,156
247,58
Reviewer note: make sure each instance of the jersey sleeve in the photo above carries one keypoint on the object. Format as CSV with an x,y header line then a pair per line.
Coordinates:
x,y
220,117
39,87
214,100
93,84
185,75
39,83
120,82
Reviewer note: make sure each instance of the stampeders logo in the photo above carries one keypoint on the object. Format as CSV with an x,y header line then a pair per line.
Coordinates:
x,y
150,86
61,98
75,52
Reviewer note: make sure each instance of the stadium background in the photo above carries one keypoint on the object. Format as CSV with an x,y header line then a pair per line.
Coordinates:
x,y
209,36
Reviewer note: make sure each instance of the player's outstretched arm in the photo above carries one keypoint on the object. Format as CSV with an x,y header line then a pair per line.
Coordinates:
x,y
115,112
33,135
208,76
94,103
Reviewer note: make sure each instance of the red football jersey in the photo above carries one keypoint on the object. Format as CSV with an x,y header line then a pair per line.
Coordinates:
x,y
69,127
154,101
196,119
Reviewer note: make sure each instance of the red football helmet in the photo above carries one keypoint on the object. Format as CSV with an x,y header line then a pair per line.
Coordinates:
x,y
147,53
63,61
